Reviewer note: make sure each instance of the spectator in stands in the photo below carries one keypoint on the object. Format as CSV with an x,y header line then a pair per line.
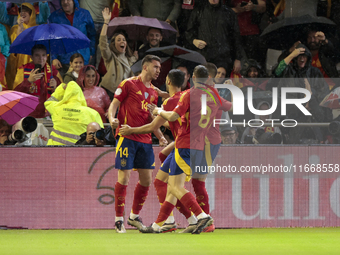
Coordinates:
x,y
91,137
182,21
249,17
213,30
9,13
69,114
26,19
253,75
5,131
117,55
3,82
154,40
165,10
220,75
54,5
264,105
324,54
76,64
36,78
96,97
4,42
299,65
71,14
229,134
186,83
4,53
95,8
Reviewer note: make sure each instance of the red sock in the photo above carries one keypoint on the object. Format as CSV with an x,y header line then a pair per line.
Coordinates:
x,y
202,197
183,210
164,212
189,201
162,157
139,198
120,194
161,188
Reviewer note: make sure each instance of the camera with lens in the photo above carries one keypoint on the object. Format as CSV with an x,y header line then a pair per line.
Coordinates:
x,y
100,134
262,137
21,129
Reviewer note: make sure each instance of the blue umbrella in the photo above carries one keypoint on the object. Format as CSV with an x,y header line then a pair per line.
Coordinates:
x,y
57,38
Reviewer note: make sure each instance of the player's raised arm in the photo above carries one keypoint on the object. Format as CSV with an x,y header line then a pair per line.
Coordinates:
x,y
114,122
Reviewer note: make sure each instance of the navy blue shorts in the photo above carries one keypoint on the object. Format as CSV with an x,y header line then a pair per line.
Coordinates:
x,y
165,167
180,162
205,158
134,155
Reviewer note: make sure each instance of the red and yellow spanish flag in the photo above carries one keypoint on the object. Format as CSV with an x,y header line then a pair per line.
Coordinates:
x,y
115,9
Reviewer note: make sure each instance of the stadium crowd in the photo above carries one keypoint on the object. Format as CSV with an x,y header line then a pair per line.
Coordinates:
x,y
225,32
84,89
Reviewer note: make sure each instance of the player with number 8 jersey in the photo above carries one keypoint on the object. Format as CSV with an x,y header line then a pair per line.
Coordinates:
x,y
189,145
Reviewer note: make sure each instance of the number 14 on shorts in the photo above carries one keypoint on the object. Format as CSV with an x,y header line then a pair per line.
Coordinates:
x,y
123,152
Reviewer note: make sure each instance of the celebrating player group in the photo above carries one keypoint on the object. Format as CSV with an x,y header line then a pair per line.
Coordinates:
x,y
196,144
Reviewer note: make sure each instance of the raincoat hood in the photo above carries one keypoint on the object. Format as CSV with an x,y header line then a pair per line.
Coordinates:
x,y
258,108
76,4
309,58
32,21
82,74
249,64
73,94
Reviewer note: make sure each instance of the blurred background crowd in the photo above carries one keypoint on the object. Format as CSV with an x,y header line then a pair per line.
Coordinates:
x,y
250,44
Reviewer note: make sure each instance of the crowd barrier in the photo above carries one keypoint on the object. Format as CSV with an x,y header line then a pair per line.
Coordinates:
x,y
73,188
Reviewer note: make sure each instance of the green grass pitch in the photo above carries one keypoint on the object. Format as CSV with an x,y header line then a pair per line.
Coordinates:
x,y
277,241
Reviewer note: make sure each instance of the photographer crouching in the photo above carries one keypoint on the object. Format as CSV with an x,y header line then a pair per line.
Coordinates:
x,y
97,136
5,131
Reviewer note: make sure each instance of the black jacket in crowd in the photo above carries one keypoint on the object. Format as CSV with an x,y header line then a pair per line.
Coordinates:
x,y
218,27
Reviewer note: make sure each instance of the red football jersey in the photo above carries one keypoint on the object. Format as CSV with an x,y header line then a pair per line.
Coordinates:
x,y
214,135
134,97
194,125
169,105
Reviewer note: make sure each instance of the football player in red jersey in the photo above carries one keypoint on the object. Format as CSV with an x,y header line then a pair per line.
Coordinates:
x,y
174,83
134,151
189,148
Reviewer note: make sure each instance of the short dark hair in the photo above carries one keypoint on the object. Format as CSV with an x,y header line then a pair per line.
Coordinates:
x,y
160,30
76,55
176,77
149,59
201,72
212,69
38,47
182,65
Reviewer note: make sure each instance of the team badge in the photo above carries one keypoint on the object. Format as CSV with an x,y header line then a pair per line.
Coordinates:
x,y
123,162
118,91
33,89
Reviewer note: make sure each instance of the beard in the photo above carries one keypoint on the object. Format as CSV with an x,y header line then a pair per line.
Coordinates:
x,y
314,46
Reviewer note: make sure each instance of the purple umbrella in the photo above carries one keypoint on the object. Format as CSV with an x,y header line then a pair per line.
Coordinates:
x,y
137,27
16,105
